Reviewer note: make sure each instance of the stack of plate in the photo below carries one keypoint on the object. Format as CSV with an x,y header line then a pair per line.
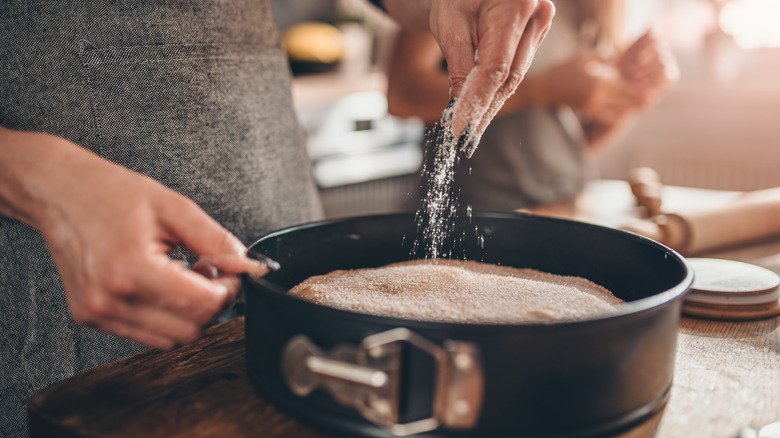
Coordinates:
x,y
728,289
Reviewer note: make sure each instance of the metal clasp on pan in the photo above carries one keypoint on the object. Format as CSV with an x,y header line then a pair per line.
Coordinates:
x,y
367,377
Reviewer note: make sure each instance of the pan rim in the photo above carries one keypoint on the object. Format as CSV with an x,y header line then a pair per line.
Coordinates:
x,y
631,308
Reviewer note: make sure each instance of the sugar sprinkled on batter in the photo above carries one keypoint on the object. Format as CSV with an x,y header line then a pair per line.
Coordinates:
x,y
460,291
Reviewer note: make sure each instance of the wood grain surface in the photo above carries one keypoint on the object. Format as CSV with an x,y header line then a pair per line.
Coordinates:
x,y
199,390
726,377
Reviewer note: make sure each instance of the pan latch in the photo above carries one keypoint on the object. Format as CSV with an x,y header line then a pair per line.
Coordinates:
x,y
368,378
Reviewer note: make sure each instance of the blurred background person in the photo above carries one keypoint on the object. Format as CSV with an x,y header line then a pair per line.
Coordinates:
x,y
585,86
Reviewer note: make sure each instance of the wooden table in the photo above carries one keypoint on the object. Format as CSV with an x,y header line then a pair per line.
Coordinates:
x,y
727,374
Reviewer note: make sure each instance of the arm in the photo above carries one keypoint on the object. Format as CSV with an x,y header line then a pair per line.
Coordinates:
x,y
109,231
417,87
608,93
591,85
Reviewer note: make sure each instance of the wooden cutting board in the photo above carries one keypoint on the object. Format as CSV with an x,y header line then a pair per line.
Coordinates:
x,y
727,377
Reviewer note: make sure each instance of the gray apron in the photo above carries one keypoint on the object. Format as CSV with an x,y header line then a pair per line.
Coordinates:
x,y
195,94
529,157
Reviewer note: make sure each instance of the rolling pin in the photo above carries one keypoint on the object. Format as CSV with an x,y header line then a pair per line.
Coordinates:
x,y
647,189
750,217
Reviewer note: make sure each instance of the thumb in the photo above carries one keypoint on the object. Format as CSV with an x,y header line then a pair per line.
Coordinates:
x,y
191,227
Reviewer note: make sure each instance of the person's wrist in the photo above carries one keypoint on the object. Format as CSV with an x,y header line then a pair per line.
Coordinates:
x,y
17,167
30,164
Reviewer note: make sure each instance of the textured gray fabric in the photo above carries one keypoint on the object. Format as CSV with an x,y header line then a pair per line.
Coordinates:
x,y
195,94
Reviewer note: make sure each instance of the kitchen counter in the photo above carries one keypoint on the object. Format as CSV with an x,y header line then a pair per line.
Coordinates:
x,y
727,373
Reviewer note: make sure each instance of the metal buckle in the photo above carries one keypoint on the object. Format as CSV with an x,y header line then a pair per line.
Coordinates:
x,y
367,377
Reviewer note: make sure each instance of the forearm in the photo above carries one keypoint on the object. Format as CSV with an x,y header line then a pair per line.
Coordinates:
x,y
41,175
25,158
411,14
603,135
424,97
417,84
109,230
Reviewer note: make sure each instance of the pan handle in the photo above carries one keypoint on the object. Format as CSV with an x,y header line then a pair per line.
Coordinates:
x,y
367,377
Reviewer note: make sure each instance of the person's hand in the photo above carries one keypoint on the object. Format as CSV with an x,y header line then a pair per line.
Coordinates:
x,y
648,64
109,231
488,45
593,87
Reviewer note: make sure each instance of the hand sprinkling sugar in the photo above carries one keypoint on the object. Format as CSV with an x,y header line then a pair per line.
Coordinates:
x,y
505,34
488,46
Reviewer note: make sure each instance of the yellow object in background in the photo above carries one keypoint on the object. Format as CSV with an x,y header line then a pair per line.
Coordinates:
x,y
311,41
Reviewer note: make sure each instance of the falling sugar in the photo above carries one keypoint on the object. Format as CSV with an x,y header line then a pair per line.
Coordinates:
x,y
439,205
438,235
437,216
